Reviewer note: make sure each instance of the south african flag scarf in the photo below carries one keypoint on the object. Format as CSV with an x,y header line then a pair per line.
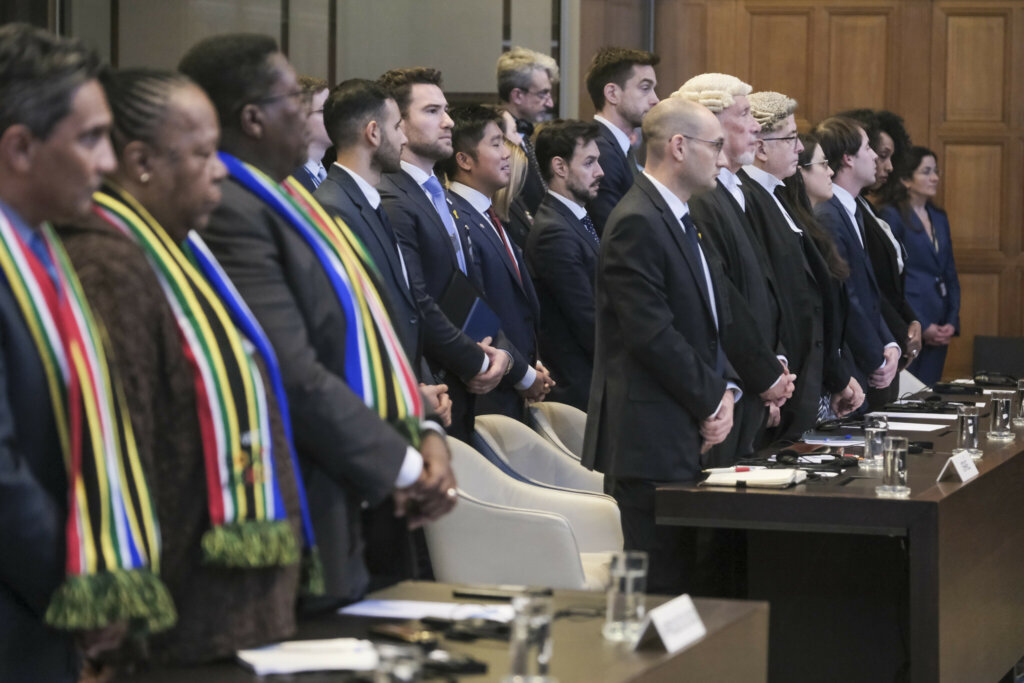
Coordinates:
x,y
249,526
376,367
113,544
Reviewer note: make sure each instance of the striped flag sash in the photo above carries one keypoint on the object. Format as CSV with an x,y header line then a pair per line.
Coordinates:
x,y
376,367
249,526
112,539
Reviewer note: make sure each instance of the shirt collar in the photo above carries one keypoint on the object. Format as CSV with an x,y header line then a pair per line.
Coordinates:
x,y
620,137
677,206
846,199
729,179
416,173
313,166
763,178
369,191
478,200
576,209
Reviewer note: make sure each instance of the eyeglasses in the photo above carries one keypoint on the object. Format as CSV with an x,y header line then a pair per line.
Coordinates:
x,y
539,94
295,94
717,144
812,164
789,138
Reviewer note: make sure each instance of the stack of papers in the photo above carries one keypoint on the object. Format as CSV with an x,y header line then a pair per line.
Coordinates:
x,y
764,479
418,609
334,654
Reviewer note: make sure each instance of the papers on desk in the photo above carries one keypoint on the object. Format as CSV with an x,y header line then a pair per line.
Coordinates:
x,y
296,656
914,426
418,609
915,416
838,440
764,479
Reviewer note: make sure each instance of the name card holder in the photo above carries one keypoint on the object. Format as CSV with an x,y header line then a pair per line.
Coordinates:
x,y
959,467
676,624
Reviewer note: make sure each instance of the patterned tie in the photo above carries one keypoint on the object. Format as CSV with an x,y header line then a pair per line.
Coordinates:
x,y
436,192
504,240
589,225
531,158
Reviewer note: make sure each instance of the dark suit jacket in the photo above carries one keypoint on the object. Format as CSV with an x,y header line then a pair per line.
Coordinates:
x,y
340,195
806,301
306,180
868,333
618,178
514,300
453,357
562,258
348,455
655,377
33,506
533,189
895,310
520,222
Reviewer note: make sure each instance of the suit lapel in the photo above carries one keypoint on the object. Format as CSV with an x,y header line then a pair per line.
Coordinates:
x,y
851,227
493,241
407,184
571,220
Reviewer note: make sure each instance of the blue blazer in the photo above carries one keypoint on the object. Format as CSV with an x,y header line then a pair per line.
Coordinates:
x,y
925,269
867,333
618,178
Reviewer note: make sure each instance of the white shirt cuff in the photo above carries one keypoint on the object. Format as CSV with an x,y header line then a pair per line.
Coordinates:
x,y
486,364
412,466
891,345
434,427
784,361
737,394
528,379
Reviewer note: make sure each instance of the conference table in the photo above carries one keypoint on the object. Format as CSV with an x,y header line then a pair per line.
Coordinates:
x,y
929,588
734,649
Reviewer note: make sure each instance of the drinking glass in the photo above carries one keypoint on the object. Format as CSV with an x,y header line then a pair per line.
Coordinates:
x,y
894,469
876,428
530,640
968,419
1000,427
626,596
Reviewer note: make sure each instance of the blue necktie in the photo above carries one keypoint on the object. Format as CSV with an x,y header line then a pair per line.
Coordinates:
x,y
434,189
589,225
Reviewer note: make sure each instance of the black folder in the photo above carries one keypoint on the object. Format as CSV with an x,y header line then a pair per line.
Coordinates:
x,y
465,306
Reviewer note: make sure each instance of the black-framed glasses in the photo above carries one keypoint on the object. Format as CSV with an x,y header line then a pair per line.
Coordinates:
x,y
717,144
267,99
812,164
792,139
540,94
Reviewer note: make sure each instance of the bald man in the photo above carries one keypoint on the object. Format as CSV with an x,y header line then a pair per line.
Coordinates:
x,y
663,390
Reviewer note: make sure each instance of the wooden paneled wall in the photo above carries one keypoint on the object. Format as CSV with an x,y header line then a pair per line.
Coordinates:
x,y
953,70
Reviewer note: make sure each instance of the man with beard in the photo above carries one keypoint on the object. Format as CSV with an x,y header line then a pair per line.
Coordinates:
x,y
621,83
561,254
433,247
751,337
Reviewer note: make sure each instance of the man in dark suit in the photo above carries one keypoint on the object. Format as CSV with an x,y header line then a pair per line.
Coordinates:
x,y
561,254
876,352
312,172
621,83
349,455
663,388
752,339
801,274
433,246
478,168
526,82
54,149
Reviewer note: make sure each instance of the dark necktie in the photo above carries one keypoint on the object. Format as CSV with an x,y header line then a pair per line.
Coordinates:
x,y
589,225
631,161
693,242
859,215
504,240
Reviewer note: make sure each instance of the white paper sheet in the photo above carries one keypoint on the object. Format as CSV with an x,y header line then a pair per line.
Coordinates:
x,y
916,416
333,654
914,427
418,609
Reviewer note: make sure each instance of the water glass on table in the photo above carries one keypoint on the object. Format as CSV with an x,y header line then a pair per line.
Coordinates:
x,y
876,428
894,469
1018,419
968,425
530,639
1001,428
626,596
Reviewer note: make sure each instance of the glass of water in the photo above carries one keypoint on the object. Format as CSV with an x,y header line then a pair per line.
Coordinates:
x,y
876,427
626,596
1018,418
530,640
1000,428
398,663
894,469
968,419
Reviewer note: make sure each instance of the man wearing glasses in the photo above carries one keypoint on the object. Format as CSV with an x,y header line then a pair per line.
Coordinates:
x,y
526,81
663,389
752,338
800,271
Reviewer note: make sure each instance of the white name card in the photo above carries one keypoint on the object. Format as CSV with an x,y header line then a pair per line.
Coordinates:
x,y
960,467
675,623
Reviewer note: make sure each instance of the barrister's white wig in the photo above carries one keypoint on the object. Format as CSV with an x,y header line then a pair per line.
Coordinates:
x,y
714,90
770,109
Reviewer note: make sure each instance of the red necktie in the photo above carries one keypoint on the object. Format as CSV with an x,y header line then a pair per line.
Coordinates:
x,y
504,240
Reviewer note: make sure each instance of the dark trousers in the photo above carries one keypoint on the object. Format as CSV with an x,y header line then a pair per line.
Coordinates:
x,y
709,562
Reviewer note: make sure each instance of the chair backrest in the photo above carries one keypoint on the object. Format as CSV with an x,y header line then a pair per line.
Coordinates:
x,y
534,457
594,518
562,424
999,354
481,542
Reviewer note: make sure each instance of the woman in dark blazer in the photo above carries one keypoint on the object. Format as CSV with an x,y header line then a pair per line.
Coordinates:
x,y
932,287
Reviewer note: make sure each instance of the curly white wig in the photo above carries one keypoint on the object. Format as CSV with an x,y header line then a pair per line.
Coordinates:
x,y
770,109
714,90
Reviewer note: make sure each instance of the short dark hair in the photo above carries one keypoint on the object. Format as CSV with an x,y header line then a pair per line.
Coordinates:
x,y
351,105
234,70
39,75
838,137
138,100
400,82
868,120
470,122
892,125
559,139
614,65
895,193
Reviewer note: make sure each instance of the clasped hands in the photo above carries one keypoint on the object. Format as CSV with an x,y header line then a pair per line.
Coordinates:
x,y
434,493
